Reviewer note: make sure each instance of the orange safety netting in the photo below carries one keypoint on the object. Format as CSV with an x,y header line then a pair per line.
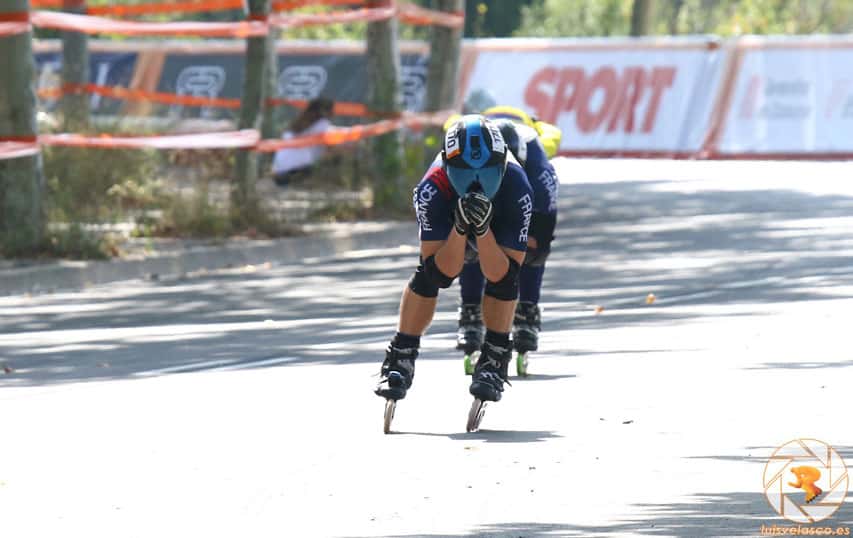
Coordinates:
x,y
90,24
14,150
419,16
13,28
247,138
340,108
99,25
343,135
197,6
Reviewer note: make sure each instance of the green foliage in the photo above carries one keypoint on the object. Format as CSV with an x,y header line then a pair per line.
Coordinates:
x,y
493,18
576,18
82,182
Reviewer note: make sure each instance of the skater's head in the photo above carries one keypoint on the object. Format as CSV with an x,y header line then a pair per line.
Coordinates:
x,y
512,138
474,155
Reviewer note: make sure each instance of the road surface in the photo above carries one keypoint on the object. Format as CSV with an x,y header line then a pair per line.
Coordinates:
x,y
239,402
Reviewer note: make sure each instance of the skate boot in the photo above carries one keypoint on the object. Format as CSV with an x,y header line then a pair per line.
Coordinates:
x,y
525,327
490,373
469,337
398,371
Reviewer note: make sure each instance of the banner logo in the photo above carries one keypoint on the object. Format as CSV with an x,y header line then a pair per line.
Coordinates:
x,y
200,81
302,81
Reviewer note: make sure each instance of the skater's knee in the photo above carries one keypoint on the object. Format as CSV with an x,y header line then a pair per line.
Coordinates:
x,y
428,279
506,289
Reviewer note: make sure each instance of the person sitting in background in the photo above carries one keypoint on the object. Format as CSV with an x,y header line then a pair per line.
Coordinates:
x,y
292,164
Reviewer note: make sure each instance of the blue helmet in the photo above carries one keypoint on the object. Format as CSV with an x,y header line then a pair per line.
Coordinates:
x,y
474,155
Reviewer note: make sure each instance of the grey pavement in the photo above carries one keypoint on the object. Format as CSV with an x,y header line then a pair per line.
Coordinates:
x,y
238,401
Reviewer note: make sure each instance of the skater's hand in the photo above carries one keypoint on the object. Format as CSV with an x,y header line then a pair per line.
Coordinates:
x,y
460,221
477,209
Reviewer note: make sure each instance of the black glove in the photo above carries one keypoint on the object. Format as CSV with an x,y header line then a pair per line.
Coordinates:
x,y
477,210
460,221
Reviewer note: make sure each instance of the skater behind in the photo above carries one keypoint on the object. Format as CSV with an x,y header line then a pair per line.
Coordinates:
x,y
525,145
474,202
291,164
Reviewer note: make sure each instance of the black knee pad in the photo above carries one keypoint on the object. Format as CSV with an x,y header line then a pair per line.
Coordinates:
x,y
421,284
506,289
428,278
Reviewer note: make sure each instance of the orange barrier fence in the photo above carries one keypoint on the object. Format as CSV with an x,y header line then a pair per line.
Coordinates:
x,y
247,138
127,94
99,25
231,139
94,23
14,150
155,8
13,28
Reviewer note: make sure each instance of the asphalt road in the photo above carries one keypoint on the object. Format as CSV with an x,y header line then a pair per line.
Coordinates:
x,y
239,402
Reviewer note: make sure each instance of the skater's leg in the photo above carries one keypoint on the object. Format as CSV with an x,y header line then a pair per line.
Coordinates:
x,y
471,283
469,336
530,283
498,314
490,372
416,312
527,322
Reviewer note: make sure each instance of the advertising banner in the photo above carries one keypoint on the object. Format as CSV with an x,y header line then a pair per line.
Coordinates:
x,y
303,76
790,98
608,97
105,69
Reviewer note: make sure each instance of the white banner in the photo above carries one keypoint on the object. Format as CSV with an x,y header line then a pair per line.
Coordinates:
x,y
791,98
608,97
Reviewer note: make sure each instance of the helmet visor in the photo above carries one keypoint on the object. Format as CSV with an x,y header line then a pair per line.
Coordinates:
x,y
463,179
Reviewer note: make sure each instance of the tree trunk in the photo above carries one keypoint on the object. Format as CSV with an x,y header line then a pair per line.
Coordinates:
x,y
641,17
245,205
21,180
75,73
383,96
443,73
677,5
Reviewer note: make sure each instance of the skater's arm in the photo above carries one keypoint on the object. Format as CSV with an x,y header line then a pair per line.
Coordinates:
x,y
449,254
494,259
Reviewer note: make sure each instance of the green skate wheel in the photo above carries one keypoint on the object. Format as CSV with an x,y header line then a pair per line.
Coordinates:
x,y
469,365
470,361
521,364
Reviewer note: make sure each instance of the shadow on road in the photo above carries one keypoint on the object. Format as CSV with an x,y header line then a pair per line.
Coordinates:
x,y
738,513
616,242
490,436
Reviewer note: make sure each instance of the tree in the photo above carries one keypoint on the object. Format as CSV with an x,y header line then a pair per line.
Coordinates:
x,y
245,205
383,98
492,18
21,179
442,78
641,17
75,73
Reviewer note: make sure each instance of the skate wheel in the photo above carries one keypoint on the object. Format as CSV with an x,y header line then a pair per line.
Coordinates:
x,y
475,415
390,406
470,361
521,364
